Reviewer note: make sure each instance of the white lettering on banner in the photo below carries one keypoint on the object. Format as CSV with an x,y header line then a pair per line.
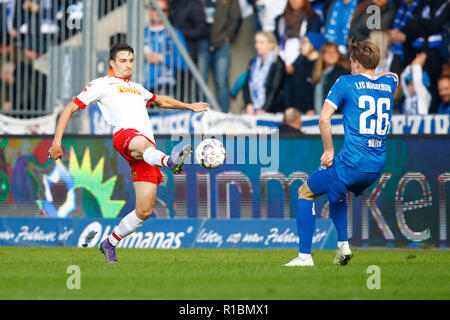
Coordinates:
x,y
213,122
414,122
319,236
106,232
35,235
286,237
441,124
232,122
196,121
65,235
172,124
209,237
160,240
252,238
6,235
94,227
427,123
430,124
290,237
398,124
234,238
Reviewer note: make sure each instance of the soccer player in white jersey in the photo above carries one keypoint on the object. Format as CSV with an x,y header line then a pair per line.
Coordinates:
x,y
123,104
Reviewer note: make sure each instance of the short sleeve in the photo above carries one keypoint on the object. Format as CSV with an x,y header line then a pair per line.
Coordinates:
x,y
93,92
148,96
334,97
394,79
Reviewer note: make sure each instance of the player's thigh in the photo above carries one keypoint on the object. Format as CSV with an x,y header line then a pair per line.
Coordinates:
x,y
145,198
325,180
137,147
360,181
304,192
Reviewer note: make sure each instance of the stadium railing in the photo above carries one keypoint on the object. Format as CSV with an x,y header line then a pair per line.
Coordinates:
x,y
49,53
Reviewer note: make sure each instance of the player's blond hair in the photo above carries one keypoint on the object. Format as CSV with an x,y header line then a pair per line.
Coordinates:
x,y
366,53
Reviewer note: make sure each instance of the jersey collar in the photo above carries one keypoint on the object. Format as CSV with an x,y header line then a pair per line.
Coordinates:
x,y
124,79
369,76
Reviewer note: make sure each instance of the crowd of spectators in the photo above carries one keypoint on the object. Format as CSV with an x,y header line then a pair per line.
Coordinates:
x,y
301,48
312,36
27,30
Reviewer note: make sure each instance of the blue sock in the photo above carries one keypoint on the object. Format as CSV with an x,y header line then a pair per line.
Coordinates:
x,y
338,213
306,222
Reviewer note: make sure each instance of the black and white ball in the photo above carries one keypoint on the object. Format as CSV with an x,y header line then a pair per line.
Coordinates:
x,y
210,153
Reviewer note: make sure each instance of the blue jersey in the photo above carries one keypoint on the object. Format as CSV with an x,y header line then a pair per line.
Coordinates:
x,y
366,104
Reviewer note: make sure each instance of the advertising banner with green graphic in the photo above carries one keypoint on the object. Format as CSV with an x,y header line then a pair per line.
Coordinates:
x,y
408,205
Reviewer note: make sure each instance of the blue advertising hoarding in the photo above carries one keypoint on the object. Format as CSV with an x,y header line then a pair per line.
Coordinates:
x,y
165,233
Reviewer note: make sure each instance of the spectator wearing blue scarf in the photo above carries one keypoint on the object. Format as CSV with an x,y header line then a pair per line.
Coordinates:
x,y
338,23
405,12
162,57
263,89
415,82
424,33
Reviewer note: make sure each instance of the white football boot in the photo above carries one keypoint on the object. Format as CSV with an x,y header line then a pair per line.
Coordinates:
x,y
299,262
343,255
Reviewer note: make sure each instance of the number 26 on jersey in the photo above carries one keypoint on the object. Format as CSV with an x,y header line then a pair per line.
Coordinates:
x,y
381,123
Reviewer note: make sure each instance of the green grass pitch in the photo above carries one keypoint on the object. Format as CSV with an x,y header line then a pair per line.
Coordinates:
x,y
41,273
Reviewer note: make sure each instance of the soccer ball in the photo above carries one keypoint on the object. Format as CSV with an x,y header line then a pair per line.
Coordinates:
x,y
210,153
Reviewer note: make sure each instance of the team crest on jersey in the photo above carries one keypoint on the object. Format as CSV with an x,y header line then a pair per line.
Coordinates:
x,y
121,89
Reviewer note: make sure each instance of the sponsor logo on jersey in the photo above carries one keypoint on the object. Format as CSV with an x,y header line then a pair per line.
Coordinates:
x,y
121,89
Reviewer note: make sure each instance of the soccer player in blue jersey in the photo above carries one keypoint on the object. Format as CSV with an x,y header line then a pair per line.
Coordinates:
x,y
366,101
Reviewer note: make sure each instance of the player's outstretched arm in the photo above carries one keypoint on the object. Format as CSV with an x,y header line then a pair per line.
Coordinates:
x,y
55,152
325,131
166,102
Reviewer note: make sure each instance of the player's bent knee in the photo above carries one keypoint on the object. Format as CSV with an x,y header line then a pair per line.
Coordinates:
x,y
138,146
144,214
305,193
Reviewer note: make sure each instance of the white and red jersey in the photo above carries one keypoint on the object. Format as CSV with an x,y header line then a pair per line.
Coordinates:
x,y
123,103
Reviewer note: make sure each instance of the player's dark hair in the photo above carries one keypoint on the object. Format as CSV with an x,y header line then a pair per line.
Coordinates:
x,y
366,53
117,48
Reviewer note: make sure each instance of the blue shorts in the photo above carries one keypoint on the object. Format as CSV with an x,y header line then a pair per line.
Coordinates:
x,y
339,179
